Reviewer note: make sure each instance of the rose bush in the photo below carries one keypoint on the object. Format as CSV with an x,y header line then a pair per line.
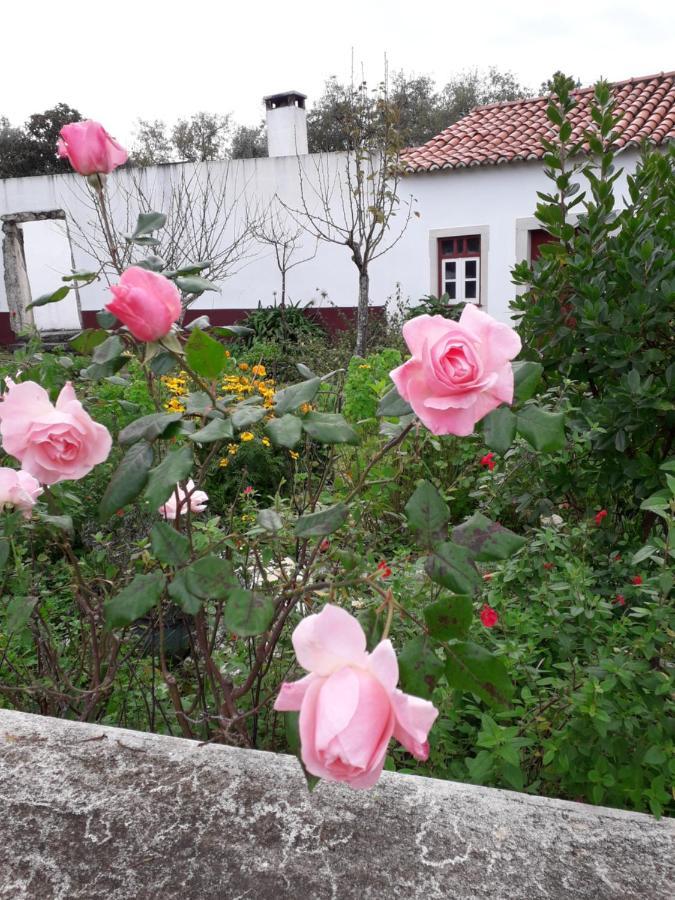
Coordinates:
x,y
459,371
349,704
147,303
53,442
90,149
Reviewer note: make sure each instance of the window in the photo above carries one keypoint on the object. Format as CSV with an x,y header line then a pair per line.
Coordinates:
x,y
538,236
459,268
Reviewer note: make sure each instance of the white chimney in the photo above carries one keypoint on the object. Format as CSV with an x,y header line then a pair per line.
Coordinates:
x,y
286,124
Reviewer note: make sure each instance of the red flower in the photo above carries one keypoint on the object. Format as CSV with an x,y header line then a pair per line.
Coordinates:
x,y
488,576
488,460
549,566
489,616
383,569
619,600
616,558
636,579
248,490
599,516
324,545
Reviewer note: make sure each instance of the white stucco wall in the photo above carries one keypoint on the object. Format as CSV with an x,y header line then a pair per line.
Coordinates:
x,y
489,200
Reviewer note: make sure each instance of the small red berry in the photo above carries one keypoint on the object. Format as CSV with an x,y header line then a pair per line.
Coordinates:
x,y
636,580
549,566
619,600
324,545
489,616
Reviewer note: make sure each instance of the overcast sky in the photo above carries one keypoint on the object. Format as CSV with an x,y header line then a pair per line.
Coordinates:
x,y
116,62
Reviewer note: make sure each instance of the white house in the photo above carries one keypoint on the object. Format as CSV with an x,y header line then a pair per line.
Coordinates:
x,y
475,187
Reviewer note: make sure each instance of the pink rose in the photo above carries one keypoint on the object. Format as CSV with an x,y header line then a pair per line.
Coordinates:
x,y
53,443
18,489
349,704
198,500
459,371
90,148
147,303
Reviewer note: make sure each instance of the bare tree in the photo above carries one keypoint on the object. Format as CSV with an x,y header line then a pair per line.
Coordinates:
x,y
208,220
278,230
352,199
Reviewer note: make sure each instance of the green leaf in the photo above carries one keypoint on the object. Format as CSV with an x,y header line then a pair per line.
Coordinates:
x,y
392,404
292,728
152,263
168,545
182,596
148,428
243,416
526,378
163,363
87,340
499,429
452,567
148,222
545,431
106,319
189,269
473,668
54,297
270,520
205,355
286,431
193,284
449,618
4,553
61,523
216,430
294,396
198,403
248,614
318,524
175,467
19,611
487,541
211,577
108,350
80,275
134,601
420,668
427,513
127,481
329,428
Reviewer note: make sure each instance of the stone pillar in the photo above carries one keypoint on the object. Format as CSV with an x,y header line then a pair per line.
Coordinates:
x,y
17,286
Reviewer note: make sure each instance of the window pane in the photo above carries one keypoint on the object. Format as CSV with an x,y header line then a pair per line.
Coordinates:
x,y
459,245
450,269
470,268
447,246
473,245
451,290
470,290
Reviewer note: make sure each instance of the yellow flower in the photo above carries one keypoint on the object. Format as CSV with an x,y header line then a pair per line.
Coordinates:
x,y
243,367
305,408
223,463
174,405
227,354
246,436
364,366
232,449
294,455
259,370
266,442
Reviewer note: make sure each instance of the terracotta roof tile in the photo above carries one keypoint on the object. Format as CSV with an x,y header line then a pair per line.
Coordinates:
x,y
511,132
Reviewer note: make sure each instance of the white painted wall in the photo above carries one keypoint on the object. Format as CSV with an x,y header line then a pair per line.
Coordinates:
x,y
489,200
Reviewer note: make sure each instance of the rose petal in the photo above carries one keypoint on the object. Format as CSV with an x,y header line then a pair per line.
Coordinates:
x,y
329,640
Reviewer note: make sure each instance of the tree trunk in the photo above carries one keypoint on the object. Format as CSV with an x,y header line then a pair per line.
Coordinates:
x,y
362,314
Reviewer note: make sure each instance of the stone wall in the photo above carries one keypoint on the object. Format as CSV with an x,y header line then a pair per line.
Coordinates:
x,y
92,812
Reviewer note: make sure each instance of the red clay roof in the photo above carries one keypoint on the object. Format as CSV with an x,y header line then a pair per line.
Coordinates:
x,y
511,132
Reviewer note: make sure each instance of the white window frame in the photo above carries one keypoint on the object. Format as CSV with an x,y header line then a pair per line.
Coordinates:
x,y
460,278
481,231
